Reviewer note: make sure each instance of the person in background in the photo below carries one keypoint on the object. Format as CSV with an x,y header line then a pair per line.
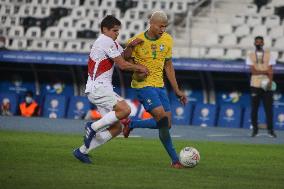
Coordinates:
x,y
261,62
29,107
6,107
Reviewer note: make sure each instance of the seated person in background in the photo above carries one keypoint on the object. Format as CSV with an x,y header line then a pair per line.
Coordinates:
x,y
5,107
29,107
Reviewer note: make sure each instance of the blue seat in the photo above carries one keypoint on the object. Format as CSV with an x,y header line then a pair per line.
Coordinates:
x,y
13,99
229,116
204,115
233,97
247,120
181,115
278,118
54,106
78,107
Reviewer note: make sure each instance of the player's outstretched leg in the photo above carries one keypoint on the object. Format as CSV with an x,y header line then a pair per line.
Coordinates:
x,y
130,124
166,140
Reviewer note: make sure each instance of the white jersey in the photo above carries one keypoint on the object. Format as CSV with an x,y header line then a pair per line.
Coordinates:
x,y
100,63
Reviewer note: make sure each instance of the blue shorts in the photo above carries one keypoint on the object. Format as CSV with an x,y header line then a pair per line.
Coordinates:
x,y
152,97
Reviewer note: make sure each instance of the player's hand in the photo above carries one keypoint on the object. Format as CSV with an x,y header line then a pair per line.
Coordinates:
x,y
182,97
135,42
142,69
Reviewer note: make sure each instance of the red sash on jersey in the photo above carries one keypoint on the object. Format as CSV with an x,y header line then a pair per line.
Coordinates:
x,y
104,66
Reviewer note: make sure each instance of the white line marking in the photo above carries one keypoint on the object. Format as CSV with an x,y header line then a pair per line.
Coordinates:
x,y
130,136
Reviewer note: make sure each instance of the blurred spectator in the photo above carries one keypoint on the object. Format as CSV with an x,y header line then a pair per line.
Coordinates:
x,y
29,107
6,107
2,43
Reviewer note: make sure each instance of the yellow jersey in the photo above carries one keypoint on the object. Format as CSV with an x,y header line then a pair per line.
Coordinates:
x,y
152,54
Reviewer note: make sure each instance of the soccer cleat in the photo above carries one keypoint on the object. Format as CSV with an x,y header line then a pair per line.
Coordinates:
x,y
177,165
271,134
126,130
90,133
81,157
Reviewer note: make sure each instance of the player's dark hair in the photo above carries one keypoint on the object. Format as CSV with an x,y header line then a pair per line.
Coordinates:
x,y
258,37
109,22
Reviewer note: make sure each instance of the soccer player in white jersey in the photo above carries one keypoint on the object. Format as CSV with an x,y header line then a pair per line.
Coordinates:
x,y
104,54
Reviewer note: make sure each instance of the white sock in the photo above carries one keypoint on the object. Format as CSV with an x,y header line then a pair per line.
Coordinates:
x,y
107,120
101,138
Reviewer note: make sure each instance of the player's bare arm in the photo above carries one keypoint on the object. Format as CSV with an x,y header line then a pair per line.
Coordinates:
x,y
129,48
170,72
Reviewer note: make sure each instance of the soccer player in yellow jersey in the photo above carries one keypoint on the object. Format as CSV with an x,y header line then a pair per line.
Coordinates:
x,y
156,54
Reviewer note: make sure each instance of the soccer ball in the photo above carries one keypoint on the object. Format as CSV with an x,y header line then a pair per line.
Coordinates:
x,y
189,157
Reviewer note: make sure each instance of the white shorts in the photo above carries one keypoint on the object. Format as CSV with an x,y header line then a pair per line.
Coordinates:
x,y
104,98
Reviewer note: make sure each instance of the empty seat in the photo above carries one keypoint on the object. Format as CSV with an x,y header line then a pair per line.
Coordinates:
x,y
276,32
69,33
279,43
16,31
229,116
83,24
65,22
259,30
108,4
55,46
247,42
224,29
54,106
52,33
72,3
78,107
79,12
238,20
229,40
266,10
18,44
242,30
73,46
250,9
38,45
33,32
197,52
272,21
211,39
215,53
233,54
204,115
254,20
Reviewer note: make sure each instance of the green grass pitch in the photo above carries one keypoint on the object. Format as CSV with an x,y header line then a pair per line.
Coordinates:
x,y
40,160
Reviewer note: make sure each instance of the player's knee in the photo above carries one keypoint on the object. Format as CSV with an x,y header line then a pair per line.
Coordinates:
x,y
122,111
126,111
